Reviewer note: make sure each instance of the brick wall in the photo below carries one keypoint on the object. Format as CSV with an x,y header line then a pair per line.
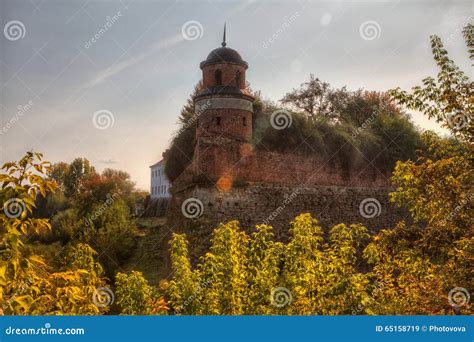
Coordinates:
x,y
236,123
228,72
219,156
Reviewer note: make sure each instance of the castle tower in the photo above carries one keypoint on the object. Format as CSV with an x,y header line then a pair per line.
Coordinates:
x,y
224,108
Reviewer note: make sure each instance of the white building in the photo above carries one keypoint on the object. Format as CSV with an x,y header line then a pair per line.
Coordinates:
x,y
160,185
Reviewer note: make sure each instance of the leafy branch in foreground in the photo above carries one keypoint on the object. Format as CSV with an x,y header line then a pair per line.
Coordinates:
x,y
449,97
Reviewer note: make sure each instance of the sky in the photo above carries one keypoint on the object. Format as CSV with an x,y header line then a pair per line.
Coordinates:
x,y
106,80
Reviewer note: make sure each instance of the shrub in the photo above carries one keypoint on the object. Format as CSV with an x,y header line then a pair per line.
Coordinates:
x,y
135,296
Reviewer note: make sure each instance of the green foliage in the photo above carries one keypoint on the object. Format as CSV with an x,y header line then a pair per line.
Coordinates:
x,y
437,190
70,177
264,256
223,268
437,148
21,183
181,150
468,34
28,285
448,98
242,275
323,277
184,285
136,297
71,290
316,99
339,126
405,280
65,226
109,229
367,126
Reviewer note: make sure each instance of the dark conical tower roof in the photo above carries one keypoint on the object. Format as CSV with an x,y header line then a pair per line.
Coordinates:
x,y
223,55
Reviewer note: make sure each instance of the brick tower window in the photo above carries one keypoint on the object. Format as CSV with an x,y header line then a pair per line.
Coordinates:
x,y
244,121
218,120
218,77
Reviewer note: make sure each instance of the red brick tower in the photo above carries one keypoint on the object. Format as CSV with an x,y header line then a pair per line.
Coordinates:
x,y
224,109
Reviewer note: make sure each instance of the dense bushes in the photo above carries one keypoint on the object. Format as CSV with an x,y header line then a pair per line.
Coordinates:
x,y
311,274
48,270
136,297
347,128
368,128
243,274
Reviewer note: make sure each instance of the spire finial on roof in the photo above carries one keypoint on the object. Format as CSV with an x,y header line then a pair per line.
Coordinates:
x,y
223,40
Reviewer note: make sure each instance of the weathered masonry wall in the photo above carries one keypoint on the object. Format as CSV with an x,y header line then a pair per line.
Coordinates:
x,y
219,157
279,205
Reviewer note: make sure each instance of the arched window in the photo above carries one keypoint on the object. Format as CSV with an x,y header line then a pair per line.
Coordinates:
x,y
218,77
237,78
244,121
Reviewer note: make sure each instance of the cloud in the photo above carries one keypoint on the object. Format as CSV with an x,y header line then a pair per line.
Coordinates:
x,y
119,67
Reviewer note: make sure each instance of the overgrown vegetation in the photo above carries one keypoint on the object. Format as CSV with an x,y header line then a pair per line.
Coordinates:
x,y
311,275
337,125
51,266
65,230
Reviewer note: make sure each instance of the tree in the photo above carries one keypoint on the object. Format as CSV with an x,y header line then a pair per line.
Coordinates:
x,y
185,284
317,99
107,227
18,271
181,150
438,191
223,268
76,173
28,285
437,188
256,275
264,256
448,99
71,291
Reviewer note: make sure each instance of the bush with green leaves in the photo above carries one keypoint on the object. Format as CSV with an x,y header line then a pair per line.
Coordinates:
x,y
135,296
28,284
243,274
